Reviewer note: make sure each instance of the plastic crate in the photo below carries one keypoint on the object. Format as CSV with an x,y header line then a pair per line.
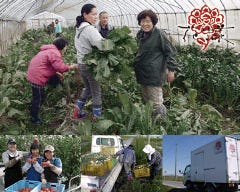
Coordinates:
x,y
94,170
108,164
34,185
141,171
108,150
55,186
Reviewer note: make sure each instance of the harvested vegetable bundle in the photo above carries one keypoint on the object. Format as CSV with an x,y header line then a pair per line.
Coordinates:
x,y
116,56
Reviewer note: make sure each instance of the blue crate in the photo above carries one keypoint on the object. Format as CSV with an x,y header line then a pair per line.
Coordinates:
x,y
55,186
34,185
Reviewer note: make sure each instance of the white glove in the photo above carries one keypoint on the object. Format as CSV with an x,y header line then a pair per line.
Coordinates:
x,y
44,181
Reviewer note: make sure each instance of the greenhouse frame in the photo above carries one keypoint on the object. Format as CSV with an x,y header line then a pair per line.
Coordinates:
x,y
172,15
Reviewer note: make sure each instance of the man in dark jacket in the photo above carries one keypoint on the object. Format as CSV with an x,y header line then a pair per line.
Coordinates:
x,y
155,61
103,26
154,160
128,160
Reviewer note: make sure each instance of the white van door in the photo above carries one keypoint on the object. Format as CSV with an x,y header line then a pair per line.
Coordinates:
x,y
238,154
197,167
232,160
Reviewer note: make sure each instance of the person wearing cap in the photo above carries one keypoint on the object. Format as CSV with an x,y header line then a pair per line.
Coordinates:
x,y
51,164
12,162
154,160
32,166
129,160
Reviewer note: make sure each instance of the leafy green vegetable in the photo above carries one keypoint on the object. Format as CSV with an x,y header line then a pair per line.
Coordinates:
x,y
115,57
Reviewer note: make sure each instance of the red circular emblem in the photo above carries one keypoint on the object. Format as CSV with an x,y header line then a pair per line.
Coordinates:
x,y
206,24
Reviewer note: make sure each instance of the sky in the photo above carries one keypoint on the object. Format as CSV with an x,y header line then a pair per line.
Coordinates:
x,y
185,144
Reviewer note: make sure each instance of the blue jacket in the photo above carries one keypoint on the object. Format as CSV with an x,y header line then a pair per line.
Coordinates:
x,y
34,172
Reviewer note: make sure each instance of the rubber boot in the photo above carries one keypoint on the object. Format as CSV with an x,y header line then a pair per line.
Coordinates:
x,y
34,117
78,111
130,177
97,112
36,120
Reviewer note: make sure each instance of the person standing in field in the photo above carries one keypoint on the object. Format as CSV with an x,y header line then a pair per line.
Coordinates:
x,y
86,37
155,61
58,28
103,27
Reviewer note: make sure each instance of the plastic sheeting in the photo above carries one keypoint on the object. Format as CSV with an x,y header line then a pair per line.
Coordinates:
x,y
21,9
171,14
44,19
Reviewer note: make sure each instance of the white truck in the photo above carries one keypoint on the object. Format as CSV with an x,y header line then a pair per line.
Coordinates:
x,y
102,183
214,166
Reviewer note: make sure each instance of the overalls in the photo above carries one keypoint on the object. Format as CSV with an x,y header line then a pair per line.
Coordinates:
x,y
13,174
50,176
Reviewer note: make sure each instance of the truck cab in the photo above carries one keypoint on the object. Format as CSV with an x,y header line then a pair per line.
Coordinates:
x,y
104,144
187,177
110,143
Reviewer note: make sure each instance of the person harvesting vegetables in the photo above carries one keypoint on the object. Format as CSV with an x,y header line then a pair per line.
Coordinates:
x,y
51,164
155,61
43,69
128,159
154,160
86,37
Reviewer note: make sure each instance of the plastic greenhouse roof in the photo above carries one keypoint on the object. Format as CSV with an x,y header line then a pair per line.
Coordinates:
x,y
20,10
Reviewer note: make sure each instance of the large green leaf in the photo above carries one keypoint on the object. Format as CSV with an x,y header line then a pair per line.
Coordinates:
x,y
4,105
103,125
13,111
107,45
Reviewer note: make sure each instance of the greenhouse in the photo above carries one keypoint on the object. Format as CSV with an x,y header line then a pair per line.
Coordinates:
x,y
204,98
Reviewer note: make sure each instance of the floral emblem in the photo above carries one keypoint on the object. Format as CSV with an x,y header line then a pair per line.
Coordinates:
x,y
206,24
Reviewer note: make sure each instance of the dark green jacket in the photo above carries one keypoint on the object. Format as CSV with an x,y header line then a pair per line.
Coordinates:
x,y
155,55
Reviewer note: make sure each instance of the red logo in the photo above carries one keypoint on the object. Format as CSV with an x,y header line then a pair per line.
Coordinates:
x,y
206,24
232,148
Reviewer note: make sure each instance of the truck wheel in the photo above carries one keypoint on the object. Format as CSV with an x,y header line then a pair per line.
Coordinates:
x,y
209,188
189,185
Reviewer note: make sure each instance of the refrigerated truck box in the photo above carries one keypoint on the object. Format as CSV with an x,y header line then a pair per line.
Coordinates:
x,y
217,161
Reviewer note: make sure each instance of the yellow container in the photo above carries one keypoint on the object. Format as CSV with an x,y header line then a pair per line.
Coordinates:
x,y
108,164
94,170
141,171
107,150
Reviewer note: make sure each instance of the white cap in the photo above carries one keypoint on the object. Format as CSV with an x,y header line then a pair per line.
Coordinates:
x,y
148,149
49,148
